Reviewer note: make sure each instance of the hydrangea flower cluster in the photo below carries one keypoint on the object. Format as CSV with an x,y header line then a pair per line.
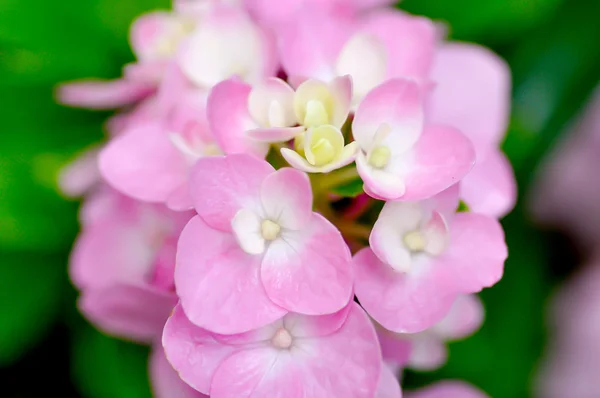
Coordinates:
x,y
297,198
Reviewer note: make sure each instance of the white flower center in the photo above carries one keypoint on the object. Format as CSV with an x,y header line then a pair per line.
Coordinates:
x,y
270,230
282,339
415,241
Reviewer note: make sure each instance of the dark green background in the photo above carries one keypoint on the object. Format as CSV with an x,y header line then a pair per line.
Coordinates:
x,y
45,346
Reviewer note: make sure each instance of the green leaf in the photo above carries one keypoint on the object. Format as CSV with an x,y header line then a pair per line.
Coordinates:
x,y
462,207
104,367
30,297
489,21
349,190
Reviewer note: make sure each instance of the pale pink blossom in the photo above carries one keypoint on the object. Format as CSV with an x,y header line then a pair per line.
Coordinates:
x,y
166,383
471,92
256,250
326,356
422,257
401,156
426,351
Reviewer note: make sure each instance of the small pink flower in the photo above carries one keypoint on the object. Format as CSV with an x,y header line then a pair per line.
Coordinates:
x,y
151,160
227,43
401,157
389,386
472,93
447,389
296,356
256,250
426,351
380,46
123,263
422,257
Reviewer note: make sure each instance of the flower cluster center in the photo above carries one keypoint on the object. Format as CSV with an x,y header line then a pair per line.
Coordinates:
x,y
415,241
380,157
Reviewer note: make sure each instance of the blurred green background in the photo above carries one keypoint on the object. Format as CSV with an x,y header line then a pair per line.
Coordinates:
x,y
551,46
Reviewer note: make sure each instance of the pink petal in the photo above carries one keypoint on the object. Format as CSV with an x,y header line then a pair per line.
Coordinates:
x,y
227,43
476,252
103,94
274,134
143,163
341,91
229,119
397,104
379,184
80,175
180,199
309,271
428,353
447,389
219,284
320,367
262,97
166,383
395,349
133,312
147,30
441,158
310,46
490,188
472,93
287,198
192,351
301,326
389,386
220,186
403,302
464,318
411,42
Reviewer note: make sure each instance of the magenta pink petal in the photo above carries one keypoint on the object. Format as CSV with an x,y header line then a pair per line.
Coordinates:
x,y
472,93
394,349
490,188
287,198
220,186
143,163
192,351
275,134
133,312
166,383
107,94
403,302
147,30
180,199
219,284
229,118
309,271
447,389
476,252
440,159
389,386
464,318
411,42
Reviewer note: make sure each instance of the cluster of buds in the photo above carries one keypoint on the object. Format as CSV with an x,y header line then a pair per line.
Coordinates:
x,y
297,198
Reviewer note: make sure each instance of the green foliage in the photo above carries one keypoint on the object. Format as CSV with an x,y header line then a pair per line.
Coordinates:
x,y
350,189
104,367
30,287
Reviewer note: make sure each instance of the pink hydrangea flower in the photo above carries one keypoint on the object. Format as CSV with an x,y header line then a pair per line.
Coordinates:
x,y
376,47
447,389
123,264
256,250
472,94
402,157
151,160
426,350
274,112
154,39
227,43
422,257
296,356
